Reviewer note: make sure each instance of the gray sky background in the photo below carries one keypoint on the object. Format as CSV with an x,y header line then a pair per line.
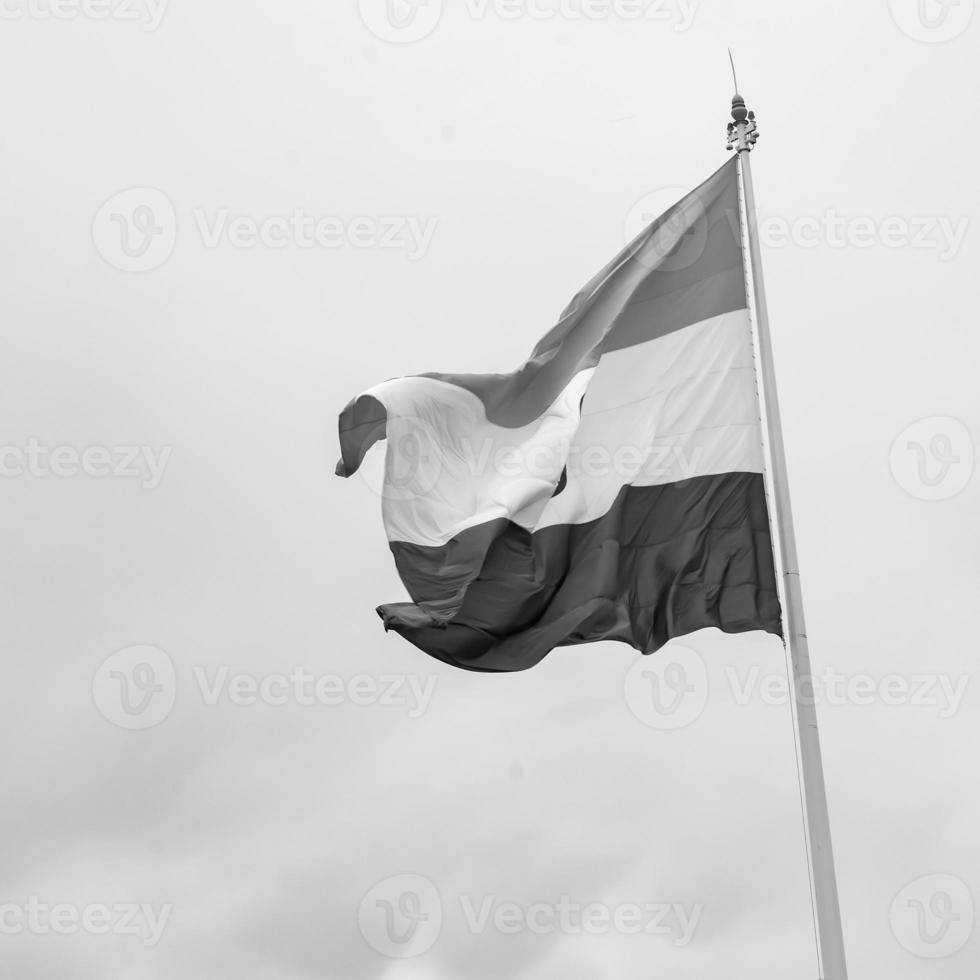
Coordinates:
x,y
528,145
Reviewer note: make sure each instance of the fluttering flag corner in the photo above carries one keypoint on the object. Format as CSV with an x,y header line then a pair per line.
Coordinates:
x,y
610,488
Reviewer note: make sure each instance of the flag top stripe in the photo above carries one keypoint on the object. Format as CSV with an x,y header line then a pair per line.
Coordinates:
x,y
683,269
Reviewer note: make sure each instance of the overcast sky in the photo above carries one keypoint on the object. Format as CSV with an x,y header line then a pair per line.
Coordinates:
x,y
221,220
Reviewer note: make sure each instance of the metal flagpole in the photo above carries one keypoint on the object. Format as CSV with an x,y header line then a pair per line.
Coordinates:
x,y
742,134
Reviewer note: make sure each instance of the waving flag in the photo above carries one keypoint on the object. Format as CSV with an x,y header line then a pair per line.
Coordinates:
x,y
611,487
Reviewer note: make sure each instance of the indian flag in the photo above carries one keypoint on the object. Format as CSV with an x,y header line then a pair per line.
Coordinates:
x,y
610,488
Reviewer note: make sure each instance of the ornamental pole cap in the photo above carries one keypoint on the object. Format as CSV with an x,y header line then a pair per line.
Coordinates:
x,y
744,131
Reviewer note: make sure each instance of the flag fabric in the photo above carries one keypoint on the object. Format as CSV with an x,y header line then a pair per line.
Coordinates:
x,y
610,488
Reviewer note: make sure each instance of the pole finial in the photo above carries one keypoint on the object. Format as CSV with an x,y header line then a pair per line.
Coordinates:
x,y
743,132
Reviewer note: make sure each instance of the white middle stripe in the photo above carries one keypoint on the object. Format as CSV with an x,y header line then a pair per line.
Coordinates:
x,y
680,406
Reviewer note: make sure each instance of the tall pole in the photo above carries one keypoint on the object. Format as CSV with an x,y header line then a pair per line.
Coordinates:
x,y
742,134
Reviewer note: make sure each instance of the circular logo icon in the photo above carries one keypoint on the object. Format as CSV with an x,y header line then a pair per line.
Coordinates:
x,y
401,21
136,687
401,916
136,230
668,689
670,229
932,21
932,459
406,464
933,916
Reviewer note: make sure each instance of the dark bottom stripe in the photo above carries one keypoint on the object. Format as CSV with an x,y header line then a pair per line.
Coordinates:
x,y
662,562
